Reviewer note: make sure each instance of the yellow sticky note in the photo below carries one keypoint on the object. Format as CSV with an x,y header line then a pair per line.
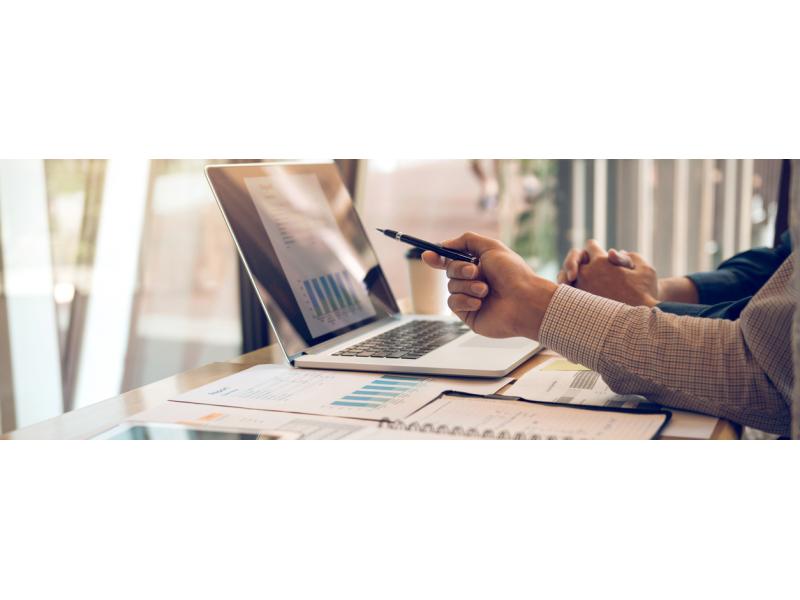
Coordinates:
x,y
562,364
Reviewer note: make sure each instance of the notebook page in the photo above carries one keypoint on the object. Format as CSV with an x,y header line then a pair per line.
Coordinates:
x,y
536,419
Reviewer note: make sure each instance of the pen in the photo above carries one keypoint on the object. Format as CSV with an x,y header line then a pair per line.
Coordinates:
x,y
422,244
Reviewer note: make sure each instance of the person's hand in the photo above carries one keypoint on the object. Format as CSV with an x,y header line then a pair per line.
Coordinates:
x,y
580,256
502,297
670,289
636,285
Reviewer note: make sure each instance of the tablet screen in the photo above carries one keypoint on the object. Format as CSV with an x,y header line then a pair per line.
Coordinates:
x,y
306,249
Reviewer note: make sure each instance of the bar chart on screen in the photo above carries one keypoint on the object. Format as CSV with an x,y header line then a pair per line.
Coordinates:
x,y
324,273
331,293
333,300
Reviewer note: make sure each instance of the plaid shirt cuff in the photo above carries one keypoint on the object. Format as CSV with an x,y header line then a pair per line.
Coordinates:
x,y
577,323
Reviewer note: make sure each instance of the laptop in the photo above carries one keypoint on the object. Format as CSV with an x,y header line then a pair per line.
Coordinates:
x,y
321,285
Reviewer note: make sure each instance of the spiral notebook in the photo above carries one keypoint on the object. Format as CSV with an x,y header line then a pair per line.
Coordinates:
x,y
493,418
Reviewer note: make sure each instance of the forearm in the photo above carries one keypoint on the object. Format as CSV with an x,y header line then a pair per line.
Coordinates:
x,y
677,289
692,363
683,362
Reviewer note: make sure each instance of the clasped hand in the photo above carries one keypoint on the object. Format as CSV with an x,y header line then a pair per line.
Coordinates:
x,y
622,276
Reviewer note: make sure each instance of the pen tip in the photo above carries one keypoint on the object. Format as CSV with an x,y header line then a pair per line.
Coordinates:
x,y
381,230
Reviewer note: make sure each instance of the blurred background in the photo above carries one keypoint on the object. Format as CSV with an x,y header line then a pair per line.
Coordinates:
x,y
117,273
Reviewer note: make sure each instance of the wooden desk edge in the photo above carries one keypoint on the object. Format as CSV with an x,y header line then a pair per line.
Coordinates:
x,y
107,413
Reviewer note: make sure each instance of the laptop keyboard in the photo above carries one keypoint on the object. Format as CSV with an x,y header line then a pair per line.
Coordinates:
x,y
409,341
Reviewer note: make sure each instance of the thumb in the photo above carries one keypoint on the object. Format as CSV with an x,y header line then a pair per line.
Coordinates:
x,y
620,258
594,250
637,260
473,243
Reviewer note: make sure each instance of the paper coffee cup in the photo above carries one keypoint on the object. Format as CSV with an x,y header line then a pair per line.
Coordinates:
x,y
428,286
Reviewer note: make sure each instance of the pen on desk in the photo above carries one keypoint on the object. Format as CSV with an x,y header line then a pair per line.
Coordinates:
x,y
423,245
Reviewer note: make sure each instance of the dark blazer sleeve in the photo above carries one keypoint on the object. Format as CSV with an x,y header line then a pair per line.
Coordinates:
x,y
743,275
723,310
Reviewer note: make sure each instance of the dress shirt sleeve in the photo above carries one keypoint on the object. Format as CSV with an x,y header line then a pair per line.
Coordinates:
x,y
737,370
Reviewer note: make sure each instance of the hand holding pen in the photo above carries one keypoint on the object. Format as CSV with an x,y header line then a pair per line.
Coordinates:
x,y
430,246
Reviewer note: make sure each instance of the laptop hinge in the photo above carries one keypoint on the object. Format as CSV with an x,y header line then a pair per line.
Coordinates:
x,y
294,357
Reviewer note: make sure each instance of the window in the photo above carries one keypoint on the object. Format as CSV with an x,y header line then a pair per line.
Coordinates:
x,y
114,274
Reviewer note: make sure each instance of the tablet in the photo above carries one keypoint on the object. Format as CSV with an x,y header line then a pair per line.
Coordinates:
x,y
175,431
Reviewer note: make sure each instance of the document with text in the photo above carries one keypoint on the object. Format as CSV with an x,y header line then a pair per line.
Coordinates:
x,y
561,381
332,393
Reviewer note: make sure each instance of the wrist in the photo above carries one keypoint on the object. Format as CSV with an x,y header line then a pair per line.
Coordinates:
x,y
677,289
538,294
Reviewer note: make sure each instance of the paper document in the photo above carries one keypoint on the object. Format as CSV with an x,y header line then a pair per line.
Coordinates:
x,y
510,419
559,380
332,393
305,427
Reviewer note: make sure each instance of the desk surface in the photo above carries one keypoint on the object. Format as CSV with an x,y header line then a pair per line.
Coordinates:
x,y
91,420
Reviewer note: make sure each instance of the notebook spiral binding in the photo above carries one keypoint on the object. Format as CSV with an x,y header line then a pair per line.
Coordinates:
x,y
486,434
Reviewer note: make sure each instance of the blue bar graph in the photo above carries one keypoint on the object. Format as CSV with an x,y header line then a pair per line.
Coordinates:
x,y
348,281
393,383
387,388
377,392
335,289
342,287
331,293
328,293
311,295
317,289
355,404
370,392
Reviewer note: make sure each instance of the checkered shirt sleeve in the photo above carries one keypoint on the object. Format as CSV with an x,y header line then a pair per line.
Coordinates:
x,y
739,370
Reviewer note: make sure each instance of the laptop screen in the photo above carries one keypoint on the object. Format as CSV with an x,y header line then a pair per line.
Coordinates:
x,y
305,248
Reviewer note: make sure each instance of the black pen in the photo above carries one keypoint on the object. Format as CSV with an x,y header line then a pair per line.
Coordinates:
x,y
422,244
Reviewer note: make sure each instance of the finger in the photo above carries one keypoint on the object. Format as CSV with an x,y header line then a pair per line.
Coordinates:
x,y
570,266
595,250
637,259
458,269
476,289
434,260
464,316
463,303
472,243
572,262
620,258
562,277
